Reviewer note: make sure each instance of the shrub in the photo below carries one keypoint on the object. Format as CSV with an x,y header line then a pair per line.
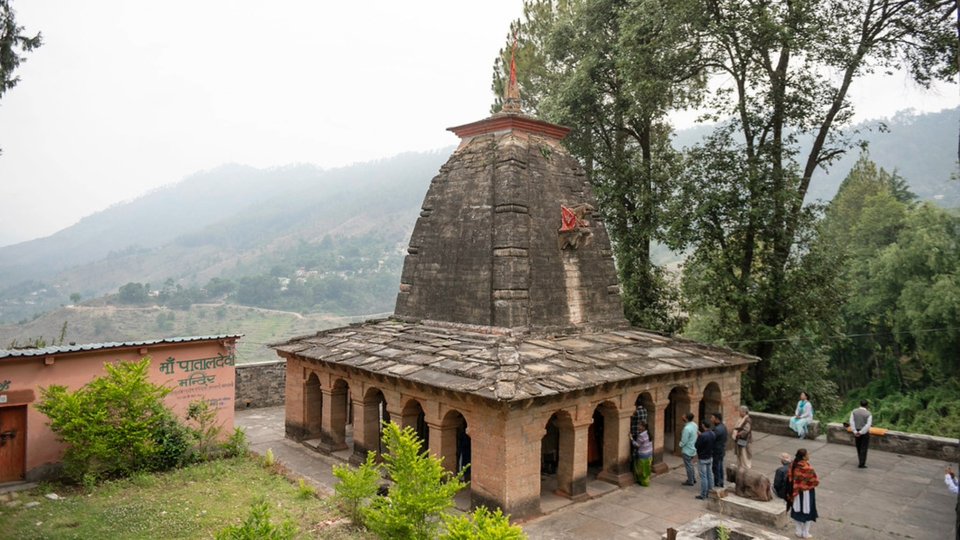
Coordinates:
x,y
207,430
422,489
258,526
237,444
305,490
116,424
482,524
357,486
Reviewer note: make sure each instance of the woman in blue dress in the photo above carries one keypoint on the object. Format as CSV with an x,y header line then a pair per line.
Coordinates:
x,y
802,416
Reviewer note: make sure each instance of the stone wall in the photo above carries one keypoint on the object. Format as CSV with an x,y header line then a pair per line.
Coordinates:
x,y
911,444
779,424
260,384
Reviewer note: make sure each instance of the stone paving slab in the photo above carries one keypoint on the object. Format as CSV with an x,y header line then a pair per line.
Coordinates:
x,y
900,497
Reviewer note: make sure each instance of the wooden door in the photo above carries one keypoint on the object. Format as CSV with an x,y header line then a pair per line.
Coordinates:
x,y
13,443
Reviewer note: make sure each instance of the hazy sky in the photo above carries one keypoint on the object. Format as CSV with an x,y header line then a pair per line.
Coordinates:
x,y
124,96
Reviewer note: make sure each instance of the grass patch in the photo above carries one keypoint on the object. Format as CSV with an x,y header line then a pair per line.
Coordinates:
x,y
194,502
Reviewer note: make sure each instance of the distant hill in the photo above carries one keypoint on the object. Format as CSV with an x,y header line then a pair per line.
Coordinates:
x,y
230,221
922,148
236,222
96,324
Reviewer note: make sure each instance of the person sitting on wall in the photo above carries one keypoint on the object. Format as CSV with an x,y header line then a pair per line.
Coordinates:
x,y
802,416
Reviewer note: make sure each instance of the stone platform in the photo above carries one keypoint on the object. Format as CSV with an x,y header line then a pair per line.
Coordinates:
x,y
771,514
705,528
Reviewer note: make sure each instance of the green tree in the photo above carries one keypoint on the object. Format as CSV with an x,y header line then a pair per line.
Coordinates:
x,y
612,69
116,424
13,44
357,487
75,298
133,293
787,69
421,492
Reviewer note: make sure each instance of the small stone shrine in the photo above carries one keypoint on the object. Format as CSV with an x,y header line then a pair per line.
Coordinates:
x,y
508,350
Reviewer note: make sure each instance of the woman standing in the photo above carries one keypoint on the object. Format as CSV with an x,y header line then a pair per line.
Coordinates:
x,y
802,416
642,455
742,437
802,496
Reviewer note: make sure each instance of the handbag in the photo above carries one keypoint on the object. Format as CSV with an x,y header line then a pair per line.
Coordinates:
x,y
741,442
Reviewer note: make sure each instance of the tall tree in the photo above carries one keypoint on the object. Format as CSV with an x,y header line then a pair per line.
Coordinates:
x,y
785,68
611,69
13,45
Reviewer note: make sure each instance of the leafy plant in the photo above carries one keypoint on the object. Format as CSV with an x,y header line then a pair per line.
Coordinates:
x,y
723,533
422,489
258,526
116,424
482,524
269,460
237,444
357,486
206,431
305,490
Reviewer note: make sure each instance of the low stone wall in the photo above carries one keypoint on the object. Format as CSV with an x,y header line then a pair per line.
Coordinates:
x,y
779,424
260,384
898,442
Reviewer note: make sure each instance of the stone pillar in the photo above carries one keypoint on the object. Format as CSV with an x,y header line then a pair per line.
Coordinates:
x,y
334,421
657,416
572,469
506,461
617,450
443,444
366,429
293,421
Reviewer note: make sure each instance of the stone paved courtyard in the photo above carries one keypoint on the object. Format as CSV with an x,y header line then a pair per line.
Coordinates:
x,y
895,497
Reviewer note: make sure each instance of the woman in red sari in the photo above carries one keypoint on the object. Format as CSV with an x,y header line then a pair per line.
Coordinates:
x,y
802,496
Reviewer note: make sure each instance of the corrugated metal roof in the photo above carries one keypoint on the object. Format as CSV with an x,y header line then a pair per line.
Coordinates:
x,y
64,349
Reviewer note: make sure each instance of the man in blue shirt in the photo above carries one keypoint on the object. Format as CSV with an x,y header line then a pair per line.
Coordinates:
x,y
704,447
688,449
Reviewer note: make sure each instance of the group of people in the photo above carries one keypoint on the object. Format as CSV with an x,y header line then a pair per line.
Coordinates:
x,y
795,481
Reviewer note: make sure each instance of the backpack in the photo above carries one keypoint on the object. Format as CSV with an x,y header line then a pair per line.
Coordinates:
x,y
780,483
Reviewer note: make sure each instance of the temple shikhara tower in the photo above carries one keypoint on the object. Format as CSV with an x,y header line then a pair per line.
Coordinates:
x,y
508,349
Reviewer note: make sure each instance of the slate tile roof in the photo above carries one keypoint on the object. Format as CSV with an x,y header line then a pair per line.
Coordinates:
x,y
503,364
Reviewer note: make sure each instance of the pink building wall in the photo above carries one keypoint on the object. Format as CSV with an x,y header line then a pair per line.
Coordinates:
x,y
194,370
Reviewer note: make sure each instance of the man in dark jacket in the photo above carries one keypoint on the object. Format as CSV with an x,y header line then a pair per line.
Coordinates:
x,y
780,486
704,446
719,447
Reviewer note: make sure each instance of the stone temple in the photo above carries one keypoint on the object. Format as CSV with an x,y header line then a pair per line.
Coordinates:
x,y
508,349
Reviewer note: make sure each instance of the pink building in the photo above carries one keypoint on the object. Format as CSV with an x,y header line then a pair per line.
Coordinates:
x,y
195,368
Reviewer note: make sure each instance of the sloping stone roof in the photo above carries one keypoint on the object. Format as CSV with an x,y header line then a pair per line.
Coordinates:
x,y
503,364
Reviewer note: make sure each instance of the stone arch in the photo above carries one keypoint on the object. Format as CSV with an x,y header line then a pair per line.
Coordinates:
x,y
341,413
711,402
678,405
608,437
413,416
455,443
557,451
374,414
312,407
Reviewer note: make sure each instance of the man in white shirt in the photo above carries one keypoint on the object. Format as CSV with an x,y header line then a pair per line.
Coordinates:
x,y
950,478
860,421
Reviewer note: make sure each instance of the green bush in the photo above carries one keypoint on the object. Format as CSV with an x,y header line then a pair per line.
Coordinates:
x,y
258,526
357,486
237,444
116,424
482,524
422,489
207,430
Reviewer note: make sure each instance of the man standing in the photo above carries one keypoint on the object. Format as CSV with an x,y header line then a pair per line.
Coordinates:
x,y
704,446
688,449
860,422
719,447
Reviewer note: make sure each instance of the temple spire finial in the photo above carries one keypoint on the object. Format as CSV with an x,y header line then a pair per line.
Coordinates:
x,y
511,99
